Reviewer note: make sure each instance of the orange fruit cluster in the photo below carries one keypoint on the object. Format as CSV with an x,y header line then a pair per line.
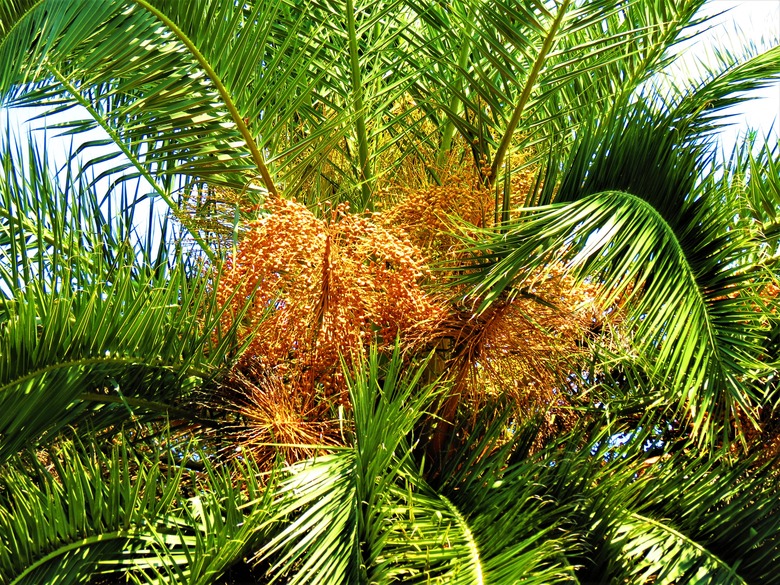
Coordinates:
x,y
323,288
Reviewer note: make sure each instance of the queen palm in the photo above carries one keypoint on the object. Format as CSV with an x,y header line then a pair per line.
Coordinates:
x,y
115,349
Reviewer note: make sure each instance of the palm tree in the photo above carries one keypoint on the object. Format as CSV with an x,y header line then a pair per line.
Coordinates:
x,y
129,365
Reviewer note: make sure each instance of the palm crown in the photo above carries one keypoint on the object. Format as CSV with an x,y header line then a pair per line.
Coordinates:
x,y
447,292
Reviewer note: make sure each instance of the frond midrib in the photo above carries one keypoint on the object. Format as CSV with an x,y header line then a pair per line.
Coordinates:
x,y
90,361
690,542
114,135
683,260
468,536
238,120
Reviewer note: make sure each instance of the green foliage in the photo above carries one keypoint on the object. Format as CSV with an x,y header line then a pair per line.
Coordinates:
x,y
120,330
640,210
367,515
111,339
93,512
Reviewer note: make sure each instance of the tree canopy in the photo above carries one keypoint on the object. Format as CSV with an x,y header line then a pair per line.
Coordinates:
x,y
443,293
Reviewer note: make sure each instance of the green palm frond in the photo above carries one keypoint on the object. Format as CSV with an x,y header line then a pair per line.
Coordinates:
x,y
107,57
524,78
636,213
319,543
335,508
366,513
94,513
692,309
513,533
756,175
700,108
683,517
89,308
213,91
697,521
163,86
217,529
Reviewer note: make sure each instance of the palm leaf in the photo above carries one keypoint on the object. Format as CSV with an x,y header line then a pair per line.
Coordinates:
x,y
333,509
97,513
716,528
525,81
684,517
110,325
633,219
366,514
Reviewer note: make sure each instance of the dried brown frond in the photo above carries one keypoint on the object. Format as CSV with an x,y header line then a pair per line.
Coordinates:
x,y
523,348
271,416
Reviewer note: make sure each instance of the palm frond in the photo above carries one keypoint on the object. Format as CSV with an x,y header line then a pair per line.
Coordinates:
x,y
367,513
523,81
634,220
89,308
164,86
334,508
93,513
698,521
684,516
